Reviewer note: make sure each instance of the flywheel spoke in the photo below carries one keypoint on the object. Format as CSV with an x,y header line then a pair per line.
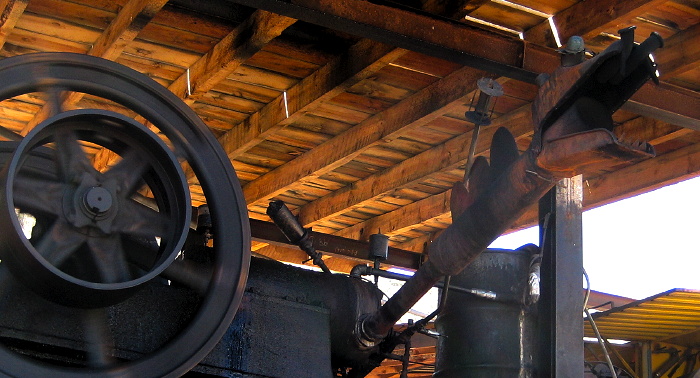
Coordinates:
x,y
138,220
110,259
38,194
129,172
55,99
70,157
59,243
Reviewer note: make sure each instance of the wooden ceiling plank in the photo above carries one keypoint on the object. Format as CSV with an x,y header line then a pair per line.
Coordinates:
x,y
227,55
434,36
394,222
419,109
447,156
677,106
647,175
680,53
361,61
588,19
461,43
11,11
133,17
109,45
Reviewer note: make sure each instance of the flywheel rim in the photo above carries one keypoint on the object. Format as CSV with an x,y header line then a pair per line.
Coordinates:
x,y
75,72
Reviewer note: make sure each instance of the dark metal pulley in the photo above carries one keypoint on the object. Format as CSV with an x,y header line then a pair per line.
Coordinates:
x,y
95,245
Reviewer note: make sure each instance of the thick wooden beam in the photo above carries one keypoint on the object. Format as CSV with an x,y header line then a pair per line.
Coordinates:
x,y
447,156
133,17
436,36
455,10
11,11
588,19
290,254
227,55
647,175
361,60
677,106
420,108
403,218
457,42
681,52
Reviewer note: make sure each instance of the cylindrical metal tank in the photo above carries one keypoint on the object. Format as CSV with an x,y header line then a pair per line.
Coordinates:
x,y
482,337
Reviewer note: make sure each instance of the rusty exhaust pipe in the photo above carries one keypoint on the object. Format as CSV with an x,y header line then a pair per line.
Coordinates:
x,y
573,135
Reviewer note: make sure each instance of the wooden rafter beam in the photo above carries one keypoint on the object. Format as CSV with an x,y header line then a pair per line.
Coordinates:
x,y
649,101
588,19
447,156
418,109
11,11
123,29
219,62
361,60
678,165
681,52
455,10
473,47
667,103
607,188
227,55
296,256
435,36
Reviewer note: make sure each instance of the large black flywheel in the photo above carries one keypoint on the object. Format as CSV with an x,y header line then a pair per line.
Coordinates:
x,y
100,283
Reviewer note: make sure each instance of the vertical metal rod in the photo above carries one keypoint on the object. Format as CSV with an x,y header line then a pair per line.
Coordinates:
x,y
472,152
646,360
560,320
601,343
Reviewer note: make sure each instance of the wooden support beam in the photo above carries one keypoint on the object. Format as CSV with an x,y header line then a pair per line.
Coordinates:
x,y
460,43
11,11
455,10
130,20
361,60
435,36
226,56
447,156
675,166
588,19
420,108
647,175
133,17
677,106
680,53
403,218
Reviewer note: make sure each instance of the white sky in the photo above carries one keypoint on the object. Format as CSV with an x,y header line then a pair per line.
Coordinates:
x,y
639,246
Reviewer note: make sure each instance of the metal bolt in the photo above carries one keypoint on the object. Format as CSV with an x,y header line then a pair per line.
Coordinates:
x,y
97,200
